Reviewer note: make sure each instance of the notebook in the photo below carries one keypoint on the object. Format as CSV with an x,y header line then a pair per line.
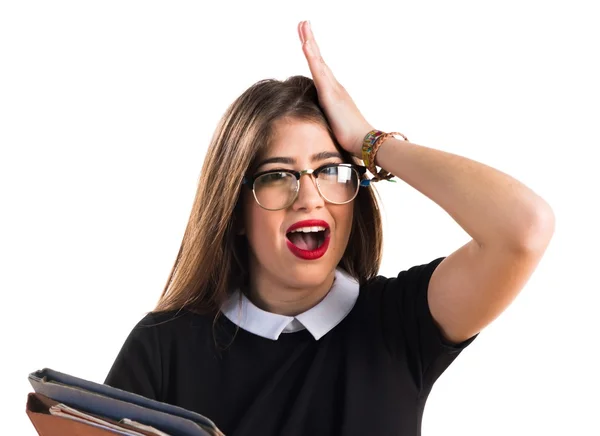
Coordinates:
x,y
67,400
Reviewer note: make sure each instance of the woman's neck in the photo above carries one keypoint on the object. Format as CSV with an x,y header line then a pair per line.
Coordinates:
x,y
271,295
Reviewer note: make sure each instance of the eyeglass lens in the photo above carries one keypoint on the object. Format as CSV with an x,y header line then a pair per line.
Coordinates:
x,y
277,190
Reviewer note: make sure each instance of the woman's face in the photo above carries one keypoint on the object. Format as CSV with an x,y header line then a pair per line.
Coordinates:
x,y
273,260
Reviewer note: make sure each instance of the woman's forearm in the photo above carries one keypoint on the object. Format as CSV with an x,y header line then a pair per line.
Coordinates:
x,y
491,206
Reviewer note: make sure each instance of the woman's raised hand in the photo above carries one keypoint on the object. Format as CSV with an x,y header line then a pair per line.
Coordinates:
x,y
347,123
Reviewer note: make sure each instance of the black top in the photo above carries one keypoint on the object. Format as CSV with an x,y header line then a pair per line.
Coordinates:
x,y
371,374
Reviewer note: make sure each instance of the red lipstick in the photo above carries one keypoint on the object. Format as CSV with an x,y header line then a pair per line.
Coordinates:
x,y
309,254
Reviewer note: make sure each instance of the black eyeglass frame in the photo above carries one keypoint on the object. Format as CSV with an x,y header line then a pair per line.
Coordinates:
x,y
361,170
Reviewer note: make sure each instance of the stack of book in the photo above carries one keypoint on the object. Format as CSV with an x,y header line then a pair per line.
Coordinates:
x,y
62,404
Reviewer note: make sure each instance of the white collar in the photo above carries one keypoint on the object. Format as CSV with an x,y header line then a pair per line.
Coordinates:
x,y
318,320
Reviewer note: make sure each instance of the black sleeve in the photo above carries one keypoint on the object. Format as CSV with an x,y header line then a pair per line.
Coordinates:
x,y
137,367
428,352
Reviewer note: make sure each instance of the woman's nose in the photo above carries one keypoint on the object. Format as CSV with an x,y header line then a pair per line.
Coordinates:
x,y
308,194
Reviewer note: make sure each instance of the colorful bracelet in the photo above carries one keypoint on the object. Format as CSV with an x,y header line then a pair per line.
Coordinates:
x,y
371,144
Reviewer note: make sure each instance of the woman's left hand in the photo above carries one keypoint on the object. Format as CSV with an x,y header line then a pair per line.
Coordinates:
x,y
348,124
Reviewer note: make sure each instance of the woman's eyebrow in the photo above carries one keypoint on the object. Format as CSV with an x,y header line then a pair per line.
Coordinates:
x,y
290,160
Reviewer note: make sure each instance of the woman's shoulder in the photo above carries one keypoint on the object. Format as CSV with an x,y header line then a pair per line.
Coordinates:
x,y
409,282
174,321
410,275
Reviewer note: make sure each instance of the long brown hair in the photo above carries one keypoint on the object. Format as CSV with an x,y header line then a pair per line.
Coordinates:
x,y
213,257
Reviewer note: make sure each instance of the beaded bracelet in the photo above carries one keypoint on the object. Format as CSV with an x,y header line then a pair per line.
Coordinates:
x,y
371,144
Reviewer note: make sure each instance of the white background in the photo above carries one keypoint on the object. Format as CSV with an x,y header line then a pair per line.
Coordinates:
x,y
106,110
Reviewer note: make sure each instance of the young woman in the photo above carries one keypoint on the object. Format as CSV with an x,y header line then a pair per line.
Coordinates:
x,y
274,320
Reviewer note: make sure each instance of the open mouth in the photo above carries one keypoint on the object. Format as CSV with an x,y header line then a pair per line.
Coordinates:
x,y
308,241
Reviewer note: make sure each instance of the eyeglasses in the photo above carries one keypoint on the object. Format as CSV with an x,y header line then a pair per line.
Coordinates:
x,y
277,189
